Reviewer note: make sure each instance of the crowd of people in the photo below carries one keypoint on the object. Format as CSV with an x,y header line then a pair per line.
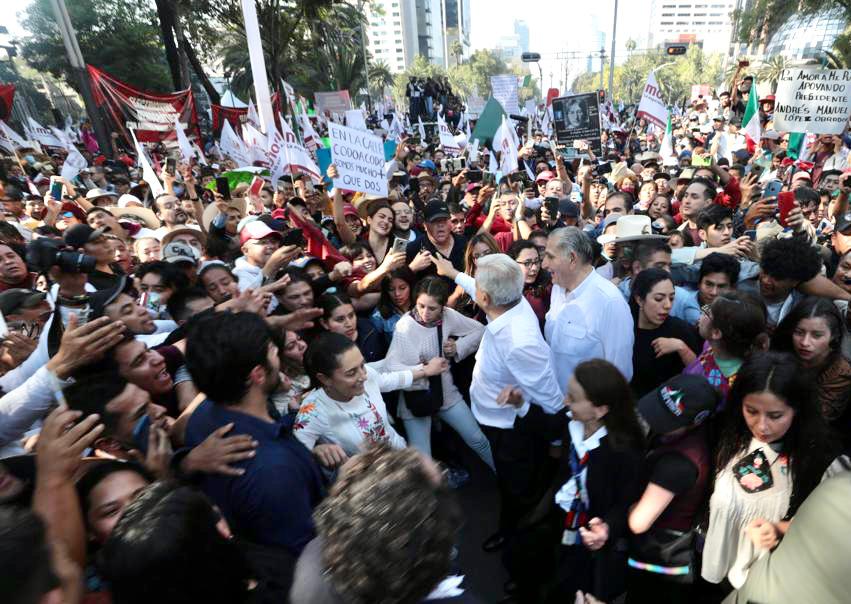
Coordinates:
x,y
268,395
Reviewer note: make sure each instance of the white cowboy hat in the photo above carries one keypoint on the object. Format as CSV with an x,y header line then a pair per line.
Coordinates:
x,y
630,228
144,216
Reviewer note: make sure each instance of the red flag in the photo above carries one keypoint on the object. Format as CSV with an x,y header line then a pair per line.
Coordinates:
x,y
7,97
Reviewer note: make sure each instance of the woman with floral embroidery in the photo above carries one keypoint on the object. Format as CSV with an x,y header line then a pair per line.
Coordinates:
x,y
732,326
346,412
773,452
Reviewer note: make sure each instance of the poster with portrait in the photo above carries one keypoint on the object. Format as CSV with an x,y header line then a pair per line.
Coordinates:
x,y
577,118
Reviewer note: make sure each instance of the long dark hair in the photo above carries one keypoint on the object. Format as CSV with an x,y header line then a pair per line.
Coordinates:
x,y
642,284
385,306
810,308
542,280
604,384
329,302
741,318
810,445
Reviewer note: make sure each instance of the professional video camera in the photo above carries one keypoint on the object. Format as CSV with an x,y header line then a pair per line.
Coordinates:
x,y
44,253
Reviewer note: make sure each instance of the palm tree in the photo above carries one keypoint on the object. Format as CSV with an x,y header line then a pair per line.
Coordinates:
x,y
457,51
771,70
380,77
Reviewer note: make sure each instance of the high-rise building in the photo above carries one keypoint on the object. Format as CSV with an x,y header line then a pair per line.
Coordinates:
x,y
709,21
521,30
406,28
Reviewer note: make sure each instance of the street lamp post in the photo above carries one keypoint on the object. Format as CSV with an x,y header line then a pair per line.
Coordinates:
x,y
535,57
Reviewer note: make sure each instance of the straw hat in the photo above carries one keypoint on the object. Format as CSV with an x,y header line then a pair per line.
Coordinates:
x,y
211,210
144,216
630,228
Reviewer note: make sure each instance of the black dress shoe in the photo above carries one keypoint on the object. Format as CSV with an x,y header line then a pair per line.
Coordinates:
x,y
494,543
510,587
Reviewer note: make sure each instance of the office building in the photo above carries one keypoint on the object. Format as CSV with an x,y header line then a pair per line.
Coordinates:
x,y
708,21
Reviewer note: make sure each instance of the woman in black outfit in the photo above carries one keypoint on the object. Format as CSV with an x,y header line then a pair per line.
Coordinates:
x,y
664,345
576,538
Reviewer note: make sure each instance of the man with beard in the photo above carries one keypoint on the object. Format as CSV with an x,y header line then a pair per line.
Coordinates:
x,y
232,357
171,214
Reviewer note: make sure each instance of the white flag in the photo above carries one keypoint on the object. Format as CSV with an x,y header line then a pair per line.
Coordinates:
x,y
42,134
232,146
74,163
252,116
9,139
447,141
493,168
473,151
286,156
186,150
148,174
201,159
652,106
422,130
396,128
255,141
311,139
63,136
503,141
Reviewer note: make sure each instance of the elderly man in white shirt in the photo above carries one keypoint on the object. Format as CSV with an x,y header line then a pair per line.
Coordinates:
x,y
588,316
512,356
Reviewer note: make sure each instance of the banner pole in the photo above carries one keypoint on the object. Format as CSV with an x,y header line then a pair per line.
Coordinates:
x,y
258,66
75,58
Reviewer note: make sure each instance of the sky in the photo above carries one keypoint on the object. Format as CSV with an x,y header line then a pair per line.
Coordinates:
x,y
561,26
553,27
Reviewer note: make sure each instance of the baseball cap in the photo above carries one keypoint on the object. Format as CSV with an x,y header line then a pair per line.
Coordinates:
x,y
682,401
567,208
93,193
178,251
427,165
545,176
350,210
80,234
13,300
102,298
802,176
473,186
771,135
256,230
435,210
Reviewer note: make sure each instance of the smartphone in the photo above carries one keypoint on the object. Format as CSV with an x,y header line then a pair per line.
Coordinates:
x,y
254,194
551,203
399,245
171,166
488,179
701,160
751,234
474,176
604,168
785,203
772,189
294,237
223,186
55,189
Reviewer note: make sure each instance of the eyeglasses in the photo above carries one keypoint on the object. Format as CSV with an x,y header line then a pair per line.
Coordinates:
x,y
530,263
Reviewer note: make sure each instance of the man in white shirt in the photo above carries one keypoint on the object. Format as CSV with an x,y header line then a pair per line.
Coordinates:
x,y
588,316
512,356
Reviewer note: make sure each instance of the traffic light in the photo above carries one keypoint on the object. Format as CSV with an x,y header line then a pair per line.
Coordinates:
x,y
675,49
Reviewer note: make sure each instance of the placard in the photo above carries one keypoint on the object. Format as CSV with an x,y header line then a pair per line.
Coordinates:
x,y
333,102
577,117
359,157
817,101
505,91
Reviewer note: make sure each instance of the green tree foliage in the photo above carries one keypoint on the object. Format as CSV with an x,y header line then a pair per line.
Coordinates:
x,y
764,17
119,36
675,77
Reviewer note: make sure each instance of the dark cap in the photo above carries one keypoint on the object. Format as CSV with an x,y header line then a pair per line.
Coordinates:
x,y
567,208
14,300
682,401
102,298
435,210
80,234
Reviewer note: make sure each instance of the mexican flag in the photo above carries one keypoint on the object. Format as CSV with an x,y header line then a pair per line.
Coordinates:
x,y
666,149
750,121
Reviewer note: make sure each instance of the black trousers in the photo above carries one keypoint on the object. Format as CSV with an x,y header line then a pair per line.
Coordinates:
x,y
520,468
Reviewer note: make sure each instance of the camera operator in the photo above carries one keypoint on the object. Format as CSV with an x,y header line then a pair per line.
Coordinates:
x,y
93,243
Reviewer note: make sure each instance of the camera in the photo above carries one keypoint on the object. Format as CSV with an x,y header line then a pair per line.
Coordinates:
x,y
44,253
453,164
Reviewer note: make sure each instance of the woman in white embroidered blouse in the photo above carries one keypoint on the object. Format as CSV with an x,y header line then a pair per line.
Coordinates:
x,y
346,412
773,452
415,339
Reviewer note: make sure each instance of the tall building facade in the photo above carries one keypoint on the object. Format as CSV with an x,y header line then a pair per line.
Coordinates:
x,y
709,21
403,29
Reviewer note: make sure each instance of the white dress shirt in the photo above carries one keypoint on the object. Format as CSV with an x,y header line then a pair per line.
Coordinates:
x,y
591,322
513,352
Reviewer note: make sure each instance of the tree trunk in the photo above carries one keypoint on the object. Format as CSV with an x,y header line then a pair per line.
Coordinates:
x,y
215,98
165,12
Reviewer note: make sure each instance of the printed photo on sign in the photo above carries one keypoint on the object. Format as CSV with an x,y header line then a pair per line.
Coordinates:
x,y
577,118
